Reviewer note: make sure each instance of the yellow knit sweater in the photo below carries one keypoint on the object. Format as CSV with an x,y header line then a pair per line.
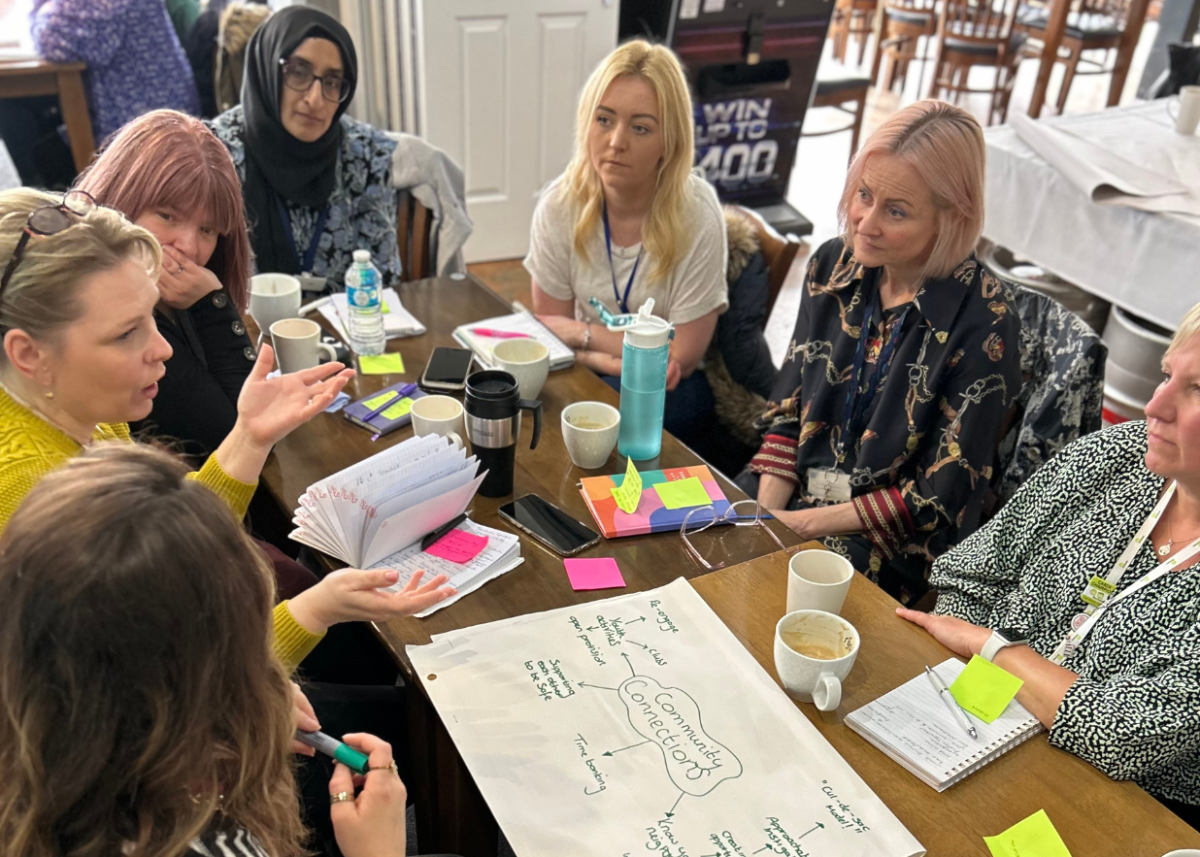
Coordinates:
x,y
30,447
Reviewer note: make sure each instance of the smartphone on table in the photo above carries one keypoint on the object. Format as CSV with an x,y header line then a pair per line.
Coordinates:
x,y
549,524
447,370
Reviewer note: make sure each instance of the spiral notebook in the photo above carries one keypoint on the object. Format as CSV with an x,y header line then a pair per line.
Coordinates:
x,y
913,726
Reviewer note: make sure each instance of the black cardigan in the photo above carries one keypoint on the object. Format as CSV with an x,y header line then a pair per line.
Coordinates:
x,y
197,398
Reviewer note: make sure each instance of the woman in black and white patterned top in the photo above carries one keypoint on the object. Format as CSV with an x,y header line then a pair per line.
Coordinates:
x,y
1125,697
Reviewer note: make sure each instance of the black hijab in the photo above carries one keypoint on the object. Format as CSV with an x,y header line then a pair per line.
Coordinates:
x,y
278,166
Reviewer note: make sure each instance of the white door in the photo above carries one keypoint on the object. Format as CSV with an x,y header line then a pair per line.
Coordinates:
x,y
498,86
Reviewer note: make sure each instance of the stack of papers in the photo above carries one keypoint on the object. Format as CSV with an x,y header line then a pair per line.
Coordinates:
x,y
502,553
385,503
397,321
519,322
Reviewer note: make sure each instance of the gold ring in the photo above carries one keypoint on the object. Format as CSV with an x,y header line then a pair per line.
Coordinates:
x,y
341,797
391,766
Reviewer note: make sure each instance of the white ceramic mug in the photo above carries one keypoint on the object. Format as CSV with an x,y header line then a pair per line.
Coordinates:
x,y
440,415
590,432
298,345
527,360
1184,108
815,677
818,580
273,297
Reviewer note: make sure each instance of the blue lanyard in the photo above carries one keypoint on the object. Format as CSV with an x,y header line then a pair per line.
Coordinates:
x,y
622,302
858,406
310,255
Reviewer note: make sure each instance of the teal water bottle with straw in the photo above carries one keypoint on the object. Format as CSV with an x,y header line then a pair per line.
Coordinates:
x,y
644,360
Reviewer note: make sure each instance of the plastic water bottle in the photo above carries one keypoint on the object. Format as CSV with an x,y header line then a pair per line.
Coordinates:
x,y
364,306
644,358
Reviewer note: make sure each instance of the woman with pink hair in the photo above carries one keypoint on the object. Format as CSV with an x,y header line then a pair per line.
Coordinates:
x,y
880,436
168,173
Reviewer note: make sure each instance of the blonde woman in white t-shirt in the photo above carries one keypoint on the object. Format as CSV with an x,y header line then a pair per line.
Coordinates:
x,y
628,220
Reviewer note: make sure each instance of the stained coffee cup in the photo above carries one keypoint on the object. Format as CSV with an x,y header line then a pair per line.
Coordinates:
x,y
590,431
814,652
298,345
527,360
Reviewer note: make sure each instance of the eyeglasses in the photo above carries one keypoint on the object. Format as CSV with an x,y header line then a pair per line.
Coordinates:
x,y
49,220
743,513
298,75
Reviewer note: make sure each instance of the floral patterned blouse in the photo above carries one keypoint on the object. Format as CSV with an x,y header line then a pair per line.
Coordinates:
x,y
921,456
1134,711
362,207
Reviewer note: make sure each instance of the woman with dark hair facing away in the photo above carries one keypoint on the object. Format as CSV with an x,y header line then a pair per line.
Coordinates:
x,y
317,183
172,737
167,173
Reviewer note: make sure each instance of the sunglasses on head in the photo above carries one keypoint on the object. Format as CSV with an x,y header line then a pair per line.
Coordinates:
x,y
49,220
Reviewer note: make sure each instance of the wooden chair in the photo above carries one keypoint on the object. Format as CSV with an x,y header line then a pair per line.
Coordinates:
x,y
1112,26
414,235
779,251
852,18
836,92
971,34
903,23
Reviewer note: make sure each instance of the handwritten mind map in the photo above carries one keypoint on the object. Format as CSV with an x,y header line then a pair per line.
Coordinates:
x,y
639,725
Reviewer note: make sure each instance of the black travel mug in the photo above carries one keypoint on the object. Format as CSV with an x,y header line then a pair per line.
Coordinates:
x,y
493,405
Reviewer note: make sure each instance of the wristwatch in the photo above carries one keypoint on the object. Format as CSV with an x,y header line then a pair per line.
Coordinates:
x,y
1002,638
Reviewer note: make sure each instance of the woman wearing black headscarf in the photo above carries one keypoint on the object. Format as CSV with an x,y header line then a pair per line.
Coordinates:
x,y
317,183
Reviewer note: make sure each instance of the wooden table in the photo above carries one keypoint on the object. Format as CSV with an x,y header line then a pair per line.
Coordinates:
x,y
21,78
329,443
1094,815
1056,27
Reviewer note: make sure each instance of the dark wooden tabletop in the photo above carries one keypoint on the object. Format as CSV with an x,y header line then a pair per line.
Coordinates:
x,y
330,443
1094,815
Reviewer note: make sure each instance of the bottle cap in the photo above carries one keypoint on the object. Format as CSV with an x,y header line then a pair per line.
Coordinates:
x,y
648,331
362,256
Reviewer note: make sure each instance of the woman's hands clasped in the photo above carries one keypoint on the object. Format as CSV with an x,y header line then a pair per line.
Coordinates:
x,y
356,595
270,408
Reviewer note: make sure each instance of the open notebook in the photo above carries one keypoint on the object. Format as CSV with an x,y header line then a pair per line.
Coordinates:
x,y
912,725
397,321
519,322
502,553
387,502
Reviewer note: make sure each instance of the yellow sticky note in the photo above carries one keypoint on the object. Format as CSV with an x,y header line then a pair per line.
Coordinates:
x,y
683,493
380,400
629,494
984,689
1033,837
381,364
383,305
398,410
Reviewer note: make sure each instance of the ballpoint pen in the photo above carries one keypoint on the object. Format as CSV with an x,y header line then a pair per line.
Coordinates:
x,y
432,538
951,703
406,390
499,334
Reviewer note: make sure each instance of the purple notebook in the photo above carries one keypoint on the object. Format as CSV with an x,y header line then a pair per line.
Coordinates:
x,y
386,410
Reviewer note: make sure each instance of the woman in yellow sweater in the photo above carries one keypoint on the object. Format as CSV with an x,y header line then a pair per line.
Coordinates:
x,y
82,357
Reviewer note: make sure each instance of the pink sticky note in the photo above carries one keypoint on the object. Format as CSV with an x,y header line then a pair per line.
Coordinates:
x,y
600,573
458,546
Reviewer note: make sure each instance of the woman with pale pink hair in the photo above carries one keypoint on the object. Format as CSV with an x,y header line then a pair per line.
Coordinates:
x,y
880,436
168,173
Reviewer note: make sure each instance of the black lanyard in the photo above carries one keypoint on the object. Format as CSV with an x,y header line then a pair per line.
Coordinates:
x,y
310,255
858,404
622,302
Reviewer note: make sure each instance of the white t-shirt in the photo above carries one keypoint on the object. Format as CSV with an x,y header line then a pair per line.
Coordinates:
x,y
694,288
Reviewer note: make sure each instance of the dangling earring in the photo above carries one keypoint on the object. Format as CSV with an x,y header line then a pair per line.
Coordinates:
x,y
49,394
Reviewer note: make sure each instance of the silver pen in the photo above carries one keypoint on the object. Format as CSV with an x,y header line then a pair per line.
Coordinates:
x,y
951,702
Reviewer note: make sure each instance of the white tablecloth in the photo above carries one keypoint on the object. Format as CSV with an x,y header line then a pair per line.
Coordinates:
x,y
1148,263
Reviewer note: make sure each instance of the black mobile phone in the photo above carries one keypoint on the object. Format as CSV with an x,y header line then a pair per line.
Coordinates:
x,y
549,525
447,369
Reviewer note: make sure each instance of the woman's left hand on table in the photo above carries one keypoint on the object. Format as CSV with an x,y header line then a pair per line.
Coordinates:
x,y
957,635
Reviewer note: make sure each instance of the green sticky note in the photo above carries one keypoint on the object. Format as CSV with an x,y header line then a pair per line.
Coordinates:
x,y
1033,837
378,401
398,410
629,493
683,493
984,689
381,364
384,306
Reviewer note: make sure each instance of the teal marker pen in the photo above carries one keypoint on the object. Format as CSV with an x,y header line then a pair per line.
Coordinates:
x,y
344,753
